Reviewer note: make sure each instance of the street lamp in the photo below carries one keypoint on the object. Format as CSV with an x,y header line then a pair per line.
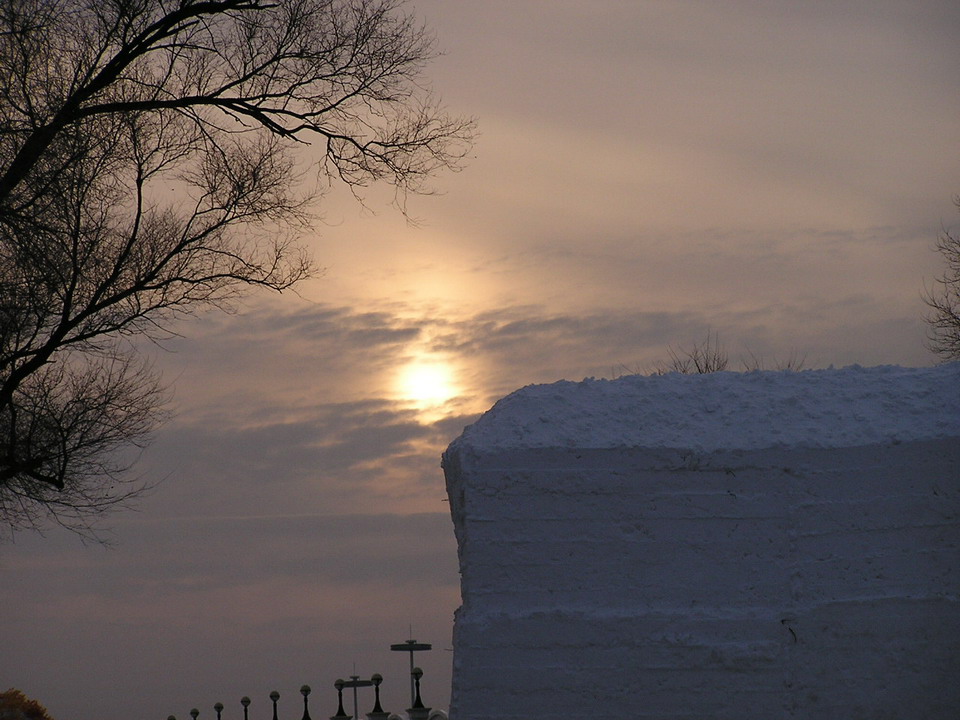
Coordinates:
x,y
274,696
417,711
304,690
411,646
341,715
355,682
377,713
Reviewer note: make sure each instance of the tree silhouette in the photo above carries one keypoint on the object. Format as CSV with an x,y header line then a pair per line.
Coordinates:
x,y
943,300
155,160
14,705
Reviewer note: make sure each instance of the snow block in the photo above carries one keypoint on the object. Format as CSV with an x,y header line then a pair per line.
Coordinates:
x,y
761,545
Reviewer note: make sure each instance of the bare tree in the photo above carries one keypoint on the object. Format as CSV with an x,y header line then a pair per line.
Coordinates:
x,y
151,166
943,299
709,356
706,357
794,362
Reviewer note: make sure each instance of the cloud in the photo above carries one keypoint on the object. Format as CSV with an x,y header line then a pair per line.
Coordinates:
x,y
285,443
256,433
647,172
258,382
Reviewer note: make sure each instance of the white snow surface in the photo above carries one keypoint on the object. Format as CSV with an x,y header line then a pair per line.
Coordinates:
x,y
754,546
831,408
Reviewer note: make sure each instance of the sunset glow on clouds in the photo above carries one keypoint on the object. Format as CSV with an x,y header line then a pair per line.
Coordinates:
x,y
646,172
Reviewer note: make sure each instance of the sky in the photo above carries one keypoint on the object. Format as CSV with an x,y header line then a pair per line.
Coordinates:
x,y
645,173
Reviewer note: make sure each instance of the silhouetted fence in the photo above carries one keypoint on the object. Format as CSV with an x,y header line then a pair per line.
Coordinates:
x,y
417,711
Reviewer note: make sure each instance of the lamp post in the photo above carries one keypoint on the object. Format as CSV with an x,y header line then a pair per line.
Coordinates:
x,y
218,708
305,691
245,701
417,711
274,696
377,713
411,646
355,682
341,715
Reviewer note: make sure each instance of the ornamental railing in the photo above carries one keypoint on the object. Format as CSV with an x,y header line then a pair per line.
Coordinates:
x,y
416,711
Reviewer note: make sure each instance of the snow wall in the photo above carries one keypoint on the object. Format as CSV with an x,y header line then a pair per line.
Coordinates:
x,y
762,545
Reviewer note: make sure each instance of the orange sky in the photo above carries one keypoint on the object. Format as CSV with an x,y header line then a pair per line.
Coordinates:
x,y
645,173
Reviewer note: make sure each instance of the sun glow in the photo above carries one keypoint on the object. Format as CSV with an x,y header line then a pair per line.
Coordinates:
x,y
427,383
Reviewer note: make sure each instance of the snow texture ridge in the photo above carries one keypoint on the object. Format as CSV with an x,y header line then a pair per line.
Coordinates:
x,y
759,546
829,408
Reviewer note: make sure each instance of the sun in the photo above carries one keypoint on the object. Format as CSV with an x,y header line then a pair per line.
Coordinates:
x,y
427,383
